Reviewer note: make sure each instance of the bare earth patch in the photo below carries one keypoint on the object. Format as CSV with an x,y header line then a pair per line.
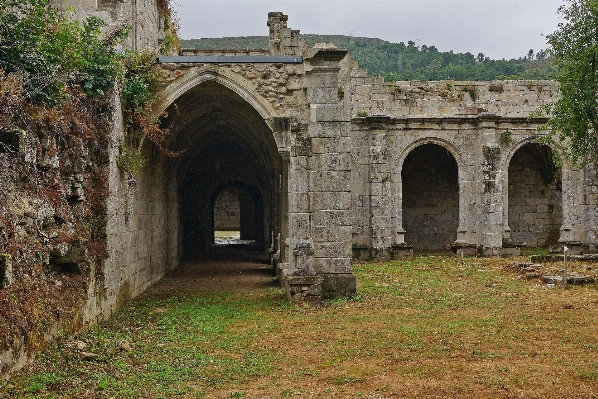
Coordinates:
x,y
232,273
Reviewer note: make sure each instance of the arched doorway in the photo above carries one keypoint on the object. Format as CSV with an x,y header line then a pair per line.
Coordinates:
x,y
237,215
535,196
430,198
226,147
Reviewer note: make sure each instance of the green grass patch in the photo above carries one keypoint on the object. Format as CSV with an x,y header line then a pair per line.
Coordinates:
x,y
419,327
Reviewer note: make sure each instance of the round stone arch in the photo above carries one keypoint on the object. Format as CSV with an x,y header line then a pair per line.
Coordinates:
x,y
226,78
400,160
508,155
506,162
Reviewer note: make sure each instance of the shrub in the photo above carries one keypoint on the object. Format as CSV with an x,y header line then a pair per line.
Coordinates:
x,y
51,50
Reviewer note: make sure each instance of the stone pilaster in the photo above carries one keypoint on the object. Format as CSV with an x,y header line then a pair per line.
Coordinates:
x,y
591,209
492,207
329,180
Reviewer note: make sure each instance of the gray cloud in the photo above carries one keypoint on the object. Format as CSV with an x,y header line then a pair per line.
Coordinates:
x,y
499,29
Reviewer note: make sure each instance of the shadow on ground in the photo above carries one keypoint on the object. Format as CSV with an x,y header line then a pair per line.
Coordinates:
x,y
232,270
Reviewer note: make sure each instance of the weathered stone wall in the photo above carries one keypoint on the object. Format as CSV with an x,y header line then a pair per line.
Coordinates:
x,y
509,99
143,16
430,198
227,209
53,188
80,237
481,124
535,211
142,228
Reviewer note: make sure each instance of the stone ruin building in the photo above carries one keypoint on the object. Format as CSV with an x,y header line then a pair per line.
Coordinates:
x,y
319,164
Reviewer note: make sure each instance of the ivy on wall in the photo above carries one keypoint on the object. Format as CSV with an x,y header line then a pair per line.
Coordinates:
x,y
57,81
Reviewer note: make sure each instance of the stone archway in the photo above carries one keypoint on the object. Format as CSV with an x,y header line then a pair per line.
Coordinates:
x,y
534,211
430,197
224,142
238,208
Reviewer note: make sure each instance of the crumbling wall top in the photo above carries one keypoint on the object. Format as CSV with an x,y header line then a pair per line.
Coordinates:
x,y
283,41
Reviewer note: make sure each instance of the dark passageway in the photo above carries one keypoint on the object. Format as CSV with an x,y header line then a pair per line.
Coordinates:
x,y
227,147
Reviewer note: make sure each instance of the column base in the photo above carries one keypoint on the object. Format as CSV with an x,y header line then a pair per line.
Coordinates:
x,y
338,285
575,248
361,252
512,249
397,251
464,249
302,288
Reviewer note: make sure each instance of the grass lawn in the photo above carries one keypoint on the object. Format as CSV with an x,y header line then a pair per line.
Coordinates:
x,y
429,327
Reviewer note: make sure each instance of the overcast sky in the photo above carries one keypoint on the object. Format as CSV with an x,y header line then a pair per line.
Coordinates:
x,y
497,28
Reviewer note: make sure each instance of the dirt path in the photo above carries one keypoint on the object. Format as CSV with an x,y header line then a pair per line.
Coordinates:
x,y
231,273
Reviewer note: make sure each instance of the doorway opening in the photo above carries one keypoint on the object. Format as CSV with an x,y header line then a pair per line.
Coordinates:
x,y
430,198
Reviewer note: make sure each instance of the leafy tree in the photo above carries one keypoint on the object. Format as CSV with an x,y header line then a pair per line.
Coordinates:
x,y
50,50
574,48
530,54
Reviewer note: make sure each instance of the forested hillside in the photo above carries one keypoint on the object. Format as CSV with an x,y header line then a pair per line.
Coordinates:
x,y
400,61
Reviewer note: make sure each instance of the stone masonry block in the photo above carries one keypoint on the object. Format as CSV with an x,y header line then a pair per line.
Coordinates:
x,y
331,162
330,180
332,218
322,95
379,201
300,225
332,233
326,145
332,265
334,201
333,250
322,80
299,202
299,183
381,189
328,113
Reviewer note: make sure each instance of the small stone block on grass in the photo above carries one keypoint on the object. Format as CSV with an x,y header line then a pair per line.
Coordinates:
x,y
572,278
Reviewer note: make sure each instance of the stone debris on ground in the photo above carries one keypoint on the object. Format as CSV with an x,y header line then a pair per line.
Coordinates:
x,y
572,278
531,271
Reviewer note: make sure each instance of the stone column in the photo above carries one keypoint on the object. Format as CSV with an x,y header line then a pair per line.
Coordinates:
x,y
283,41
590,241
277,22
382,178
361,190
329,188
574,229
492,228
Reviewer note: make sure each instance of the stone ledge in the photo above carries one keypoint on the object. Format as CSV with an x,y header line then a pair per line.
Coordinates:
x,y
575,248
559,258
512,249
572,278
